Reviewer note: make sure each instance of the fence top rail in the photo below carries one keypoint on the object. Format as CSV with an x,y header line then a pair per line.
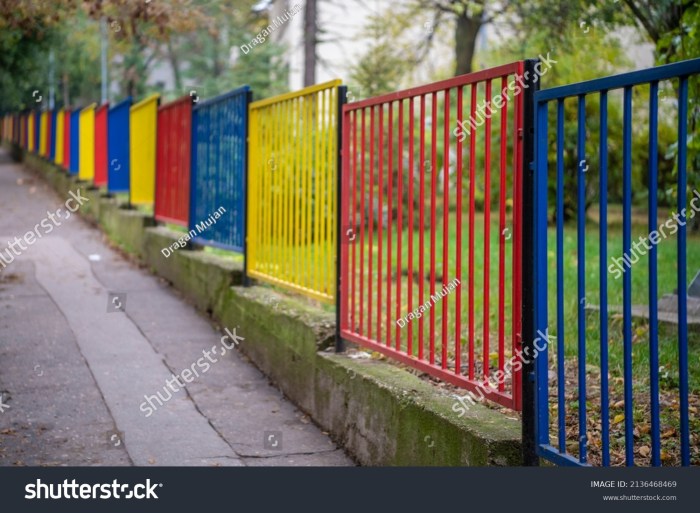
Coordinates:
x,y
125,102
92,106
644,76
146,101
296,94
461,80
225,96
176,102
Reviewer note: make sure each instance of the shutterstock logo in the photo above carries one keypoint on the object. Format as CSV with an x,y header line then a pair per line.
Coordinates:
x,y
73,490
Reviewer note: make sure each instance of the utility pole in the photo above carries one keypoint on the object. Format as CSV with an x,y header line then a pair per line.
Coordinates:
x,y
51,80
103,59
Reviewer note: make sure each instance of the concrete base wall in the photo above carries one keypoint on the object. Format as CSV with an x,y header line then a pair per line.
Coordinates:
x,y
380,413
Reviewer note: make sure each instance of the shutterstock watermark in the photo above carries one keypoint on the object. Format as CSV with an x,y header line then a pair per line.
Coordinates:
x,y
188,374
516,85
73,490
643,244
47,225
264,33
514,364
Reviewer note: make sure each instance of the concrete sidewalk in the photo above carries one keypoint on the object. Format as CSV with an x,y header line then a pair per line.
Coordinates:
x,y
77,365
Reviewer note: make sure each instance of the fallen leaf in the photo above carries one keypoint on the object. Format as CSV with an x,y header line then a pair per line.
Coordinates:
x,y
619,418
644,450
668,433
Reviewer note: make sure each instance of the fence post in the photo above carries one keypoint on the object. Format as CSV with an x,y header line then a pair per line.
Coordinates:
x,y
529,444
246,187
342,99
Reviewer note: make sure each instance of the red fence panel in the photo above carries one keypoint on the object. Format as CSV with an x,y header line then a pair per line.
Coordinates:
x,y
66,140
429,275
173,161
100,179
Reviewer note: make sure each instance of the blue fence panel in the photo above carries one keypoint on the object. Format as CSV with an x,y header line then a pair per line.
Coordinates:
x,y
37,131
219,164
118,147
74,141
562,452
52,139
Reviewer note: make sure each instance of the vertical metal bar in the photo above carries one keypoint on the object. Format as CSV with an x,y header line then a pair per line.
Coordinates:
x,y
445,220
390,180
380,224
319,150
333,185
326,210
411,225
517,252
540,275
561,328
421,227
682,271
529,257
487,236
458,242
370,243
362,224
342,146
502,233
399,227
248,98
314,171
627,277
351,148
433,220
653,278
603,179
581,266
472,193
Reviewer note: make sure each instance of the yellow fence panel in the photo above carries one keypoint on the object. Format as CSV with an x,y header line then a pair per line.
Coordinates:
x,y
60,126
292,180
142,145
30,132
43,132
86,170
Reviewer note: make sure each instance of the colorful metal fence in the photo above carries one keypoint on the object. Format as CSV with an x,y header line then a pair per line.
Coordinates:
x,y
101,145
43,133
37,132
420,267
31,128
440,266
60,137
142,150
52,134
74,142
293,183
219,163
66,139
118,137
86,169
574,448
174,142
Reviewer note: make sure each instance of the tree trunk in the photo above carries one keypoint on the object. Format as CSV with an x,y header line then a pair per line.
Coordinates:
x,y
66,99
466,30
175,65
310,29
